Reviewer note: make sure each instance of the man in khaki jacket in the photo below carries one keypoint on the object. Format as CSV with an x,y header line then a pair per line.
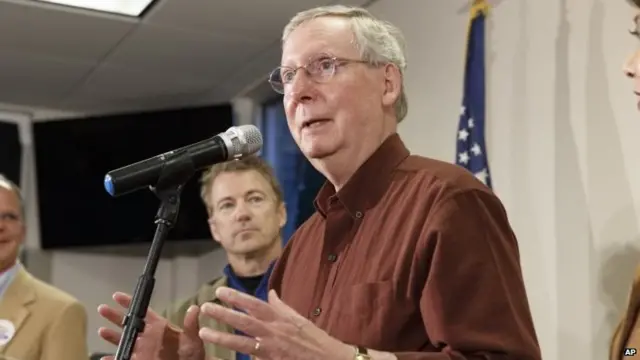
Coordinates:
x,y
627,333
246,216
37,321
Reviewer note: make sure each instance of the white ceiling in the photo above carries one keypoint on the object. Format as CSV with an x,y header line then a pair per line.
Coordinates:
x,y
180,53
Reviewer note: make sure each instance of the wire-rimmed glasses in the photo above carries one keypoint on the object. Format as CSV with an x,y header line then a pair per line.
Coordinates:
x,y
320,70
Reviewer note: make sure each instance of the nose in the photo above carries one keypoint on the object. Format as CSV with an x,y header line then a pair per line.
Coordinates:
x,y
300,87
630,68
242,212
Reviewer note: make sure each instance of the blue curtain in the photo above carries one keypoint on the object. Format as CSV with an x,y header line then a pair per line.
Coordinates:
x,y
299,180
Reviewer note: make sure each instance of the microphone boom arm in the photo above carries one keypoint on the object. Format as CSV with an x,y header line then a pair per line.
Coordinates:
x,y
176,172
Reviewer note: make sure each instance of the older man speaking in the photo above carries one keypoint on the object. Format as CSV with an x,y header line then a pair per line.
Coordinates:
x,y
406,257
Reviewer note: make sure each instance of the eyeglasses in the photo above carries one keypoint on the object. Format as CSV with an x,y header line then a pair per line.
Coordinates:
x,y
319,70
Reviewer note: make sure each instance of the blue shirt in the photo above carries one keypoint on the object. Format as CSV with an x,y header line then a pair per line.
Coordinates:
x,y
7,277
261,293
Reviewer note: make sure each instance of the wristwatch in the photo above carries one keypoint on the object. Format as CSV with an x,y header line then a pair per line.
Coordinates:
x,y
362,354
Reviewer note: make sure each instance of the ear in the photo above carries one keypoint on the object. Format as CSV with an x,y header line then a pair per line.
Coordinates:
x,y
282,215
392,85
213,228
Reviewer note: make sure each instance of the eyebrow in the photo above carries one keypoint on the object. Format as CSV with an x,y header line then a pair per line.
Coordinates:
x,y
320,55
10,212
249,192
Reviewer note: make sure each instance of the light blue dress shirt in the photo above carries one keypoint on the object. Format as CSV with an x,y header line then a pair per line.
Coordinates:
x,y
7,277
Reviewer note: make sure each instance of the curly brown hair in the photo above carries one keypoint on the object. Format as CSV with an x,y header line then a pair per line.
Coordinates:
x,y
635,3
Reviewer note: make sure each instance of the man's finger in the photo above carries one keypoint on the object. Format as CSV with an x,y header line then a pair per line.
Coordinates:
x,y
239,343
110,335
285,309
112,315
124,300
253,306
191,324
236,319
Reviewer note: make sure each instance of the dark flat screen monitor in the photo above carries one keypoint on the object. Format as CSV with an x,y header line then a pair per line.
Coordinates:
x,y
72,157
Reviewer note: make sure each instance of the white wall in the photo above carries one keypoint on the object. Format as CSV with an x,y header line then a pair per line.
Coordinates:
x,y
562,139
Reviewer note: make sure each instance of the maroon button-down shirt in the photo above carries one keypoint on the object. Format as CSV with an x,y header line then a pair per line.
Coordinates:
x,y
413,256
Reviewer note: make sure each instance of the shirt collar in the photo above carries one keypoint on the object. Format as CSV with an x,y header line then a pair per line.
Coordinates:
x,y
367,185
234,282
7,277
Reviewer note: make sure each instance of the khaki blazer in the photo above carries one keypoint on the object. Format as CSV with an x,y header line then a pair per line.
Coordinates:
x,y
622,337
49,323
207,293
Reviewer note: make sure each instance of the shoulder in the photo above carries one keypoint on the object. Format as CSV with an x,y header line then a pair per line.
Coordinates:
x,y
54,304
438,176
429,184
309,228
54,297
309,231
176,312
206,293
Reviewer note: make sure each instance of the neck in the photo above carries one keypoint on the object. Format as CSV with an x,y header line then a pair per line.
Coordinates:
x,y
255,264
4,267
340,167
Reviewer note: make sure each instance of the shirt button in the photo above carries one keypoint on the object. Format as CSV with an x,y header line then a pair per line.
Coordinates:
x,y
358,214
316,311
332,257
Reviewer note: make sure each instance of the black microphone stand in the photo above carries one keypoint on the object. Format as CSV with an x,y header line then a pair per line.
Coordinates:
x,y
177,170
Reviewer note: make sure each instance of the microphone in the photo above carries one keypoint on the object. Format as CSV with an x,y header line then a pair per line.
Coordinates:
x,y
235,143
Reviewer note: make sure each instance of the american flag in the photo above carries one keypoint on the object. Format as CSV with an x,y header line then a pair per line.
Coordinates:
x,y
470,146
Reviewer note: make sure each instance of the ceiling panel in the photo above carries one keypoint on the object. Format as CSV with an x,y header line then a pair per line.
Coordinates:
x,y
28,97
259,20
182,53
96,104
113,83
254,72
70,34
11,14
40,75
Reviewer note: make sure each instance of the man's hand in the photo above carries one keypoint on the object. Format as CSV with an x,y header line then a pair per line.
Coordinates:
x,y
276,331
159,340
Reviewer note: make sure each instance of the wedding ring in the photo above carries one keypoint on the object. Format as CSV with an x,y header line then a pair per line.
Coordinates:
x,y
257,347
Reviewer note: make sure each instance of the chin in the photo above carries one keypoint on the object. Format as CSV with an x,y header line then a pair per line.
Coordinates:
x,y
317,151
250,246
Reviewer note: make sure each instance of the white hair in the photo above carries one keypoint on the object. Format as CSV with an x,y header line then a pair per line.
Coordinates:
x,y
7,184
379,42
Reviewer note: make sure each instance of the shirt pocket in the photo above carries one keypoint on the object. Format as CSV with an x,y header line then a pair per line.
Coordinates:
x,y
361,300
374,314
